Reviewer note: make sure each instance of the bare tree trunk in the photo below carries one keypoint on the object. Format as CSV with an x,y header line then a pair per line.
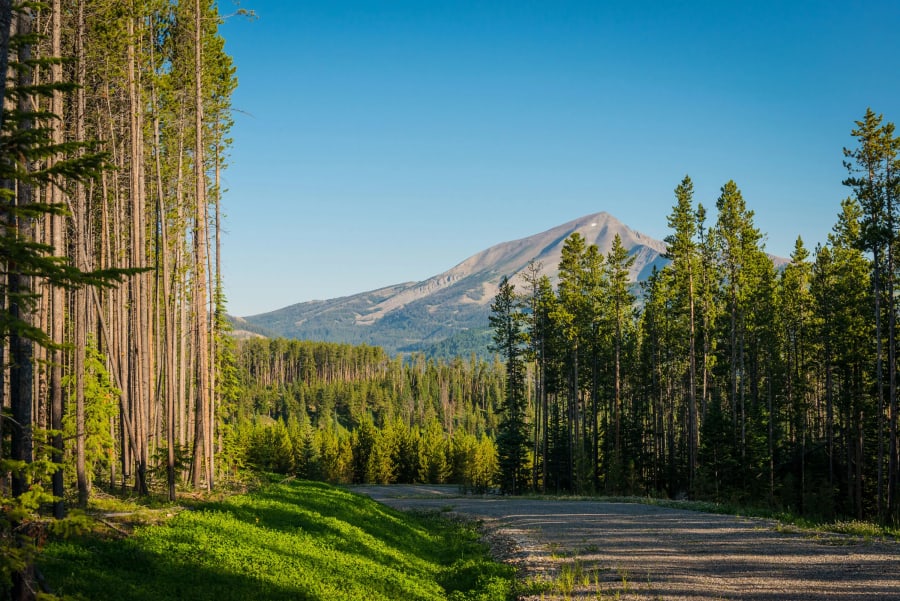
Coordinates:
x,y
20,298
58,296
138,324
694,428
165,309
202,461
892,503
617,383
179,282
20,290
879,378
81,251
5,24
217,316
545,415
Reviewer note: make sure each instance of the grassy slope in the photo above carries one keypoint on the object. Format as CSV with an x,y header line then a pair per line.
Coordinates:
x,y
297,540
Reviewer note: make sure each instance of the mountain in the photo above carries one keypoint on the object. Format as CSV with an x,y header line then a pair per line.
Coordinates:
x,y
447,314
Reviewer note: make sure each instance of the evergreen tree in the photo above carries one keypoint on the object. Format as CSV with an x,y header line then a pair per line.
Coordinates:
x,y
574,317
873,168
433,454
621,303
512,441
739,256
796,322
683,252
842,299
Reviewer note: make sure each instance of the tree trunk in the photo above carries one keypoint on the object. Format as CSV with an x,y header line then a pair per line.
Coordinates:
x,y
164,302
58,296
202,461
892,504
138,322
5,25
693,418
81,251
20,291
879,377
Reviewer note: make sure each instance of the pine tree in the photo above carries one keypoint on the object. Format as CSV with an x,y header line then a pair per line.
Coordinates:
x,y
512,441
575,329
682,251
621,302
738,241
872,168
842,299
796,322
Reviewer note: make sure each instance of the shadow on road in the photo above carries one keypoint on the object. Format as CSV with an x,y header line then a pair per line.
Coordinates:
x,y
647,552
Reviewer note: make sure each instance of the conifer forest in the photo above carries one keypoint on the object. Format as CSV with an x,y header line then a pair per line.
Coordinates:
x,y
729,375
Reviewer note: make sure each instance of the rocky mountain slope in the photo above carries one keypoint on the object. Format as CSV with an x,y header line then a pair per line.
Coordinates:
x,y
451,308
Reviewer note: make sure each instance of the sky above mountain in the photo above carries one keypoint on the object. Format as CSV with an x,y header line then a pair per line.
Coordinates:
x,y
382,142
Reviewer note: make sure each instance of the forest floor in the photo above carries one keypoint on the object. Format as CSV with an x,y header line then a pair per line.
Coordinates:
x,y
585,549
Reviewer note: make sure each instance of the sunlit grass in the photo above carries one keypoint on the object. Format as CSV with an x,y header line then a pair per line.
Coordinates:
x,y
295,540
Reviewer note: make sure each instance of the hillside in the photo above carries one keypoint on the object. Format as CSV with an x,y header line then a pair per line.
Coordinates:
x,y
287,541
447,313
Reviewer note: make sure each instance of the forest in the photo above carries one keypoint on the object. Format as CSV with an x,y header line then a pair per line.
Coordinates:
x,y
726,376
114,133
352,414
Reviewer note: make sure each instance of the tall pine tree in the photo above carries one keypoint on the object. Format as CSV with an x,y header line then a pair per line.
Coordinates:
x,y
506,320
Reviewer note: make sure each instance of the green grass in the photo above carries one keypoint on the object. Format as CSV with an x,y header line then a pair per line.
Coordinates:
x,y
294,540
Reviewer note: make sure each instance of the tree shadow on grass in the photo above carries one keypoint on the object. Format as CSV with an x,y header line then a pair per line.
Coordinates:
x,y
116,570
297,541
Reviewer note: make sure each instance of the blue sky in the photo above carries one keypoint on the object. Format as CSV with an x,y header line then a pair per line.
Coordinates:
x,y
383,142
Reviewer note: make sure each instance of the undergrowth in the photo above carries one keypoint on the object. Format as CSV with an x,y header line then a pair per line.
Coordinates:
x,y
291,540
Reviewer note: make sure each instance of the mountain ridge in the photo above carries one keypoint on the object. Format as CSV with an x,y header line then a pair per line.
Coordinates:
x,y
411,316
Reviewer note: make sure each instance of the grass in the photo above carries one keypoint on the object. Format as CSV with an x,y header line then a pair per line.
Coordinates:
x,y
293,540
576,579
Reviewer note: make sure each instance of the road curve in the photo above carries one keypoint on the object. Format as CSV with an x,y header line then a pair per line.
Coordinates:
x,y
634,551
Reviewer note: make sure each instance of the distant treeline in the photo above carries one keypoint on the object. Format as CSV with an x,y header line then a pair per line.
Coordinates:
x,y
346,413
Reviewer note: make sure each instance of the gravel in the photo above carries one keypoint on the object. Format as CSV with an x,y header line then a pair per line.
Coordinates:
x,y
600,550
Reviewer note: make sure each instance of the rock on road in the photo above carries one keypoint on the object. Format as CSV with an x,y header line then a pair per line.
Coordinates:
x,y
633,551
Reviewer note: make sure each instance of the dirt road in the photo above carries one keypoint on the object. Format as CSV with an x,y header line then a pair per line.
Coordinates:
x,y
599,550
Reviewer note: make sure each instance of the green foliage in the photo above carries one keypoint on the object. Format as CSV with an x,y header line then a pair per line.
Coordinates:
x,y
21,530
354,415
183,457
472,341
433,455
507,321
271,449
101,404
295,540
335,457
342,385
474,463
382,465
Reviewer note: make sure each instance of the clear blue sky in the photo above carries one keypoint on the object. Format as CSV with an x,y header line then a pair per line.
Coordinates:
x,y
383,142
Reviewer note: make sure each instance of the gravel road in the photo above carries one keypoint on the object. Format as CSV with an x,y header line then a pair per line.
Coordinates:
x,y
601,550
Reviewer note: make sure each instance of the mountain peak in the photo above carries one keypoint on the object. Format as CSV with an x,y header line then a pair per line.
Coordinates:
x,y
409,315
